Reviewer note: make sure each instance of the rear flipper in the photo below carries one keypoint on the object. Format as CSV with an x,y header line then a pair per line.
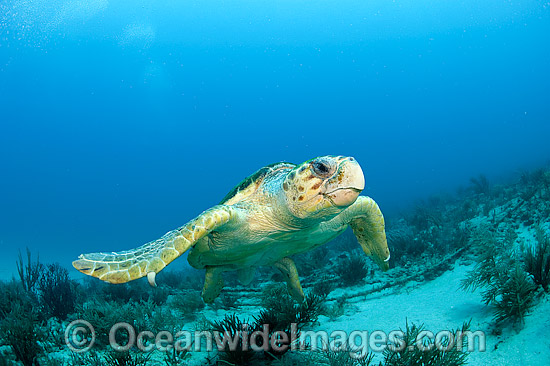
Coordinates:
x,y
290,273
151,258
246,275
213,284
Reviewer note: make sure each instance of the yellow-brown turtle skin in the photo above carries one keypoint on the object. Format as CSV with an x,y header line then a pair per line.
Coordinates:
x,y
281,210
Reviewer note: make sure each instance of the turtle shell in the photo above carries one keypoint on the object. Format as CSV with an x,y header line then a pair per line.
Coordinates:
x,y
250,184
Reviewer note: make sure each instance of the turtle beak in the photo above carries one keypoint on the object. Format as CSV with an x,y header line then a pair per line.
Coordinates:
x,y
346,184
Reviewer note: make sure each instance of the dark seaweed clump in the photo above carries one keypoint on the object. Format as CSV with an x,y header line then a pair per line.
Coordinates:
x,y
537,259
19,330
504,282
34,307
352,271
279,314
41,292
408,352
57,291
127,358
344,358
411,349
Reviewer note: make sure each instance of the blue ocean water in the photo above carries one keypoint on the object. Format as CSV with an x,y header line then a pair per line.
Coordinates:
x,y
121,120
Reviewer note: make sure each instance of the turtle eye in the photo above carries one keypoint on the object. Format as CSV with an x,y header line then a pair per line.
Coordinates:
x,y
321,169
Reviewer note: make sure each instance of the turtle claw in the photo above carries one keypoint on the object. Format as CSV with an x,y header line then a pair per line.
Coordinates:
x,y
151,278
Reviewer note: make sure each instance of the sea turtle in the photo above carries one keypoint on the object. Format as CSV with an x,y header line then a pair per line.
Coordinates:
x,y
280,210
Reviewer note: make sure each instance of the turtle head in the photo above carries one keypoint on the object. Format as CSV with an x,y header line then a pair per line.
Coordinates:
x,y
323,187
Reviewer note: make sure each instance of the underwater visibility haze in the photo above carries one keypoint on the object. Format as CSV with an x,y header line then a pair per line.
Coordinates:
x,y
122,120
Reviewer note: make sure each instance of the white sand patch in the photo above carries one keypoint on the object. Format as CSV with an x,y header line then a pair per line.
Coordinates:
x,y
441,305
528,347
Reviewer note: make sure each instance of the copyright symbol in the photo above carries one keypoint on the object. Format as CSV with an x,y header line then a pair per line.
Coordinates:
x,y
79,336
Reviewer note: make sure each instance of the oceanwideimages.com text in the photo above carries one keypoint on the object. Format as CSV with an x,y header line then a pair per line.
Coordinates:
x,y
80,336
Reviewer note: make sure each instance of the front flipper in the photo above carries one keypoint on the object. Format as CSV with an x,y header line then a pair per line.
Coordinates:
x,y
151,258
367,222
290,273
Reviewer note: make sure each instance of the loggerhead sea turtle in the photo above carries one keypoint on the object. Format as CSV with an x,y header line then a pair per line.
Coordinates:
x,y
280,210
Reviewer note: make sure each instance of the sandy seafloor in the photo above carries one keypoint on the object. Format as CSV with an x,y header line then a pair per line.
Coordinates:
x,y
441,305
